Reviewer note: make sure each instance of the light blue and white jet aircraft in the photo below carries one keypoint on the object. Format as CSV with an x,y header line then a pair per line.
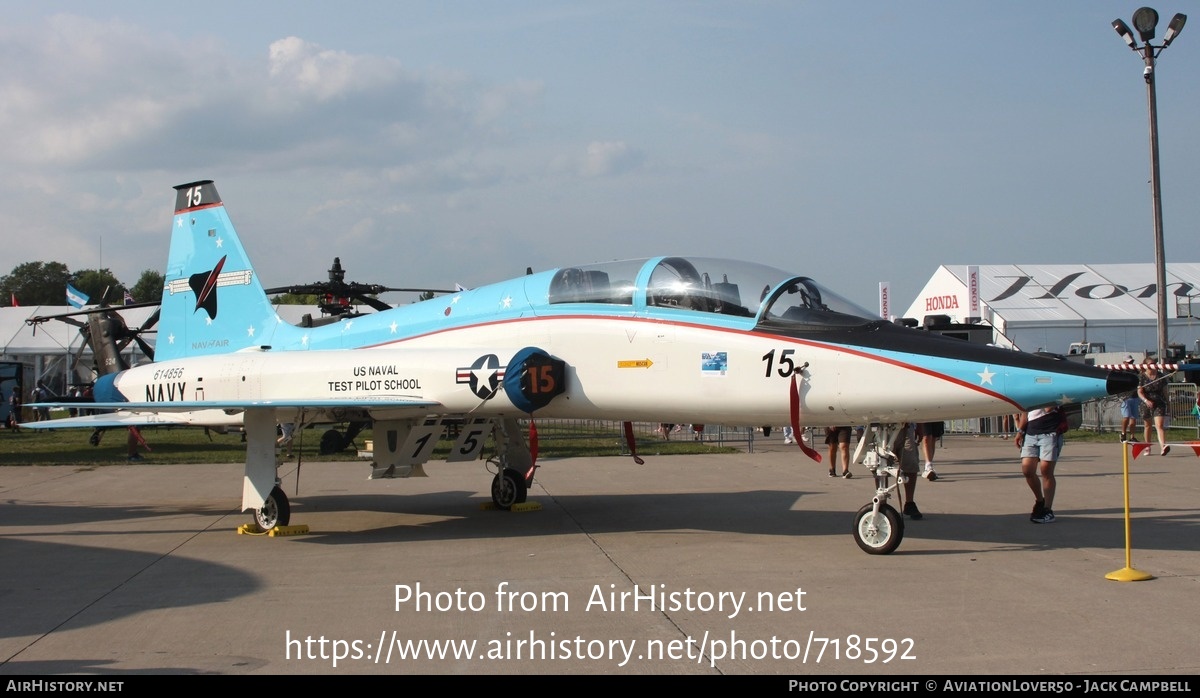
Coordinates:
x,y
665,339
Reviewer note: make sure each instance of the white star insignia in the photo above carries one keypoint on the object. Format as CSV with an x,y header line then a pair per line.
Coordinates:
x,y
304,340
250,331
207,321
220,242
393,326
348,325
506,302
985,378
171,338
179,222
454,300
1065,400
483,376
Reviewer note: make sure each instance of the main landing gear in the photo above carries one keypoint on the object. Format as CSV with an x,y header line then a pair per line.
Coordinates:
x,y
514,465
878,527
508,488
275,511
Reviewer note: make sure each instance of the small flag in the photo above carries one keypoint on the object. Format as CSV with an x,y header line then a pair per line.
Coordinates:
x,y
129,298
75,297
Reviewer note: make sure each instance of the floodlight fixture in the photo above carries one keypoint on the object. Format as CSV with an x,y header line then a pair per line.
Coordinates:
x,y
1174,28
1123,30
1145,19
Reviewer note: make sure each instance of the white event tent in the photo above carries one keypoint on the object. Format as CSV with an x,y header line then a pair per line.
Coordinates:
x,y
1050,306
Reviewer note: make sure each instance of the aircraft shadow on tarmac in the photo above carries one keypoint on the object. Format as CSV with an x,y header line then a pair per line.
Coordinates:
x,y
57,585
20,514
460,516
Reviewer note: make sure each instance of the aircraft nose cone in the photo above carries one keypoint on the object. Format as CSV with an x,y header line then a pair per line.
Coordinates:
x,y
1121,382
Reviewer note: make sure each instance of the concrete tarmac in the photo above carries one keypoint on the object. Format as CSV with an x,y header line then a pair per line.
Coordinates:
x,y
138,569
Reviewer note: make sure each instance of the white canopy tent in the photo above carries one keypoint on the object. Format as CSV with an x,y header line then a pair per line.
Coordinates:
x,y
48,350
1050,306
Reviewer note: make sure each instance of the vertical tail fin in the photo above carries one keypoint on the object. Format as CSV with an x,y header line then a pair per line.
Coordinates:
x,y
212,300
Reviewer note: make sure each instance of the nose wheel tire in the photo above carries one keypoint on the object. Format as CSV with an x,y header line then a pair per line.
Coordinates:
x,y
276,511
508,488
878,534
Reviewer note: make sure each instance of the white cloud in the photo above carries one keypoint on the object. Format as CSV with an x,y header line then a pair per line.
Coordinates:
x,y
113,97
99,119
326,74
609,158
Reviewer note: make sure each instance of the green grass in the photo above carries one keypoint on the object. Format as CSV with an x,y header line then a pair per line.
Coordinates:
x,y
1089,436
186,445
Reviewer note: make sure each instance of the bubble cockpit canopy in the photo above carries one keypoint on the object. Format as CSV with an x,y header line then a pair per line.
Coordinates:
x,y
708,285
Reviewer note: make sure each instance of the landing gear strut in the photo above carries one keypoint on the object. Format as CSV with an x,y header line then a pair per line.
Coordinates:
x,y
878,527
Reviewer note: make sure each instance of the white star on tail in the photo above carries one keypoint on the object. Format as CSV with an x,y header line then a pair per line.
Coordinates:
x,y
985,378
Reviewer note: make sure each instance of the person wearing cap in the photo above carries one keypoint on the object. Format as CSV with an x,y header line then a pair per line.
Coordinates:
x,y
1131,407
1152,391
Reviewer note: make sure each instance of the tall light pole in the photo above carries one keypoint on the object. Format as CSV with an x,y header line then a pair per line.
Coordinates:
x,y
1145,19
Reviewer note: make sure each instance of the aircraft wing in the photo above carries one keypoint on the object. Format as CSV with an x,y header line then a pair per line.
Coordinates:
x,y
373,402
129,418
208,412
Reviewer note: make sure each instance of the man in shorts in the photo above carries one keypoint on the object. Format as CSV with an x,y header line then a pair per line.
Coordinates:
x,y
838,440
1131,410
929,433
287,430
1040,438
905,446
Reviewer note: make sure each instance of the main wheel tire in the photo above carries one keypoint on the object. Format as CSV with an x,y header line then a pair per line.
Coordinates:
x,y
508,488
276,511
332,442
878,534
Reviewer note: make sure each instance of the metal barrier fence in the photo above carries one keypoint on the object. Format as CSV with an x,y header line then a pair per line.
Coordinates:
x,y
613,432
1105,415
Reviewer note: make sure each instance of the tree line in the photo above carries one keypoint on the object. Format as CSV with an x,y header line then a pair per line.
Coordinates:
x,y
45,283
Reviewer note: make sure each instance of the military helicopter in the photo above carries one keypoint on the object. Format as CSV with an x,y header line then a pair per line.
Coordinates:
x,y
337,299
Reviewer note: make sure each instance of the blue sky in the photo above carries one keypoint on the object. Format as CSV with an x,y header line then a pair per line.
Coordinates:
x,y
429,143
